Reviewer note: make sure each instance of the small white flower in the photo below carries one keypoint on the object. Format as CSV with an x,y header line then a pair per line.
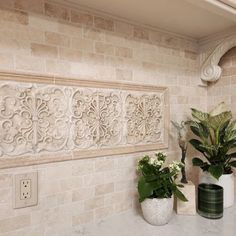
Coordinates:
x,y
158,163
178,169
152,160
175,166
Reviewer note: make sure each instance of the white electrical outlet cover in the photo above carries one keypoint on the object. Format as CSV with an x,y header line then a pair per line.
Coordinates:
x,y
25,190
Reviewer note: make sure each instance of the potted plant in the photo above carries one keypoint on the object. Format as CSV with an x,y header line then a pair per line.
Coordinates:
x,y
216,132
156,187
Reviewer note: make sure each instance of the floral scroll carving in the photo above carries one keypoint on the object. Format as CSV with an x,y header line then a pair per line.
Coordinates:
x,y
32,120
96,117
86,119
144,114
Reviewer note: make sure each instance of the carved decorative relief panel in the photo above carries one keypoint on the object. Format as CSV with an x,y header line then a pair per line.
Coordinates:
x,y
32,119
87,119
96,117
144,118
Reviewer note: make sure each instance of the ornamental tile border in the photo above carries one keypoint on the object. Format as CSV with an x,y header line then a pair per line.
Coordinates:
x,y
47,119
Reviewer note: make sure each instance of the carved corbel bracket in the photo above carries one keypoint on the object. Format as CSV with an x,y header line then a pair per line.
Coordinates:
x,y
210,70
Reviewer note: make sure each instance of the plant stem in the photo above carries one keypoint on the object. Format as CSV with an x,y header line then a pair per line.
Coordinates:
x,y
183,171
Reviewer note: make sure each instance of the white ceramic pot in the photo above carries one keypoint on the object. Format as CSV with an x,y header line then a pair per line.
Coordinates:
x,y
157,211
226,181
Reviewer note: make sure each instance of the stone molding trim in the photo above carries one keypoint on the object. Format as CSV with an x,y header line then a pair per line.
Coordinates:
x,y
210,70
47,119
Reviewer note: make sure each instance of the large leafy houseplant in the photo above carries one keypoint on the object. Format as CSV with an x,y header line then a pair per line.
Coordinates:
x,y
216,132
157,181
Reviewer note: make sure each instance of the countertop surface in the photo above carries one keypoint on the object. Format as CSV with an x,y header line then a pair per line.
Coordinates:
x,y
132,224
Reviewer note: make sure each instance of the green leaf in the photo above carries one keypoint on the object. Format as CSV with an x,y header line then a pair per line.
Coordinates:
x,y
195,129
205,167
200,129
197,145
233,164
180,195
230,132
232,155
218,121
216,171
197,161
221,107
180,185
150,178
200,116
145,189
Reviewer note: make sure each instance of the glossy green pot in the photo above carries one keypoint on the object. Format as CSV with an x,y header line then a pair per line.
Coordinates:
x,y
210,200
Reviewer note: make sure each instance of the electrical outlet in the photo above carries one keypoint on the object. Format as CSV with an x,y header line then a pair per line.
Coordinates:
x,y
25,190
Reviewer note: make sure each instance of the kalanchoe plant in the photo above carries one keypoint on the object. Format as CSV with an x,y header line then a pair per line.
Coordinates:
x,y
157,181
216,132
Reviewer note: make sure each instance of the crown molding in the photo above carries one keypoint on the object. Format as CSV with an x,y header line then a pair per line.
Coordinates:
x,y
217,37
80,7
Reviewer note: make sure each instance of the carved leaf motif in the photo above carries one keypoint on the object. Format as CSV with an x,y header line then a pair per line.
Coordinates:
x,y
32,120
143,114
53,119
96,116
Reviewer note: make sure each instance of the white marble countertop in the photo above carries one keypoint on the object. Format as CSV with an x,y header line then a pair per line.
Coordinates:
x,y
132,224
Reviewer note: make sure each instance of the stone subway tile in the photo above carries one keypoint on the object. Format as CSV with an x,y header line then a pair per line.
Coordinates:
x,y
93,203
30,5
104,189
57,11
81,18
82,44
69,30
15,16
58,67
103,212
57,39
14,223
82,194
70,54
104,165
93,33
140,33
103,48
6,61
124,52
124,74
42,50
83,218
104,23
29,63
124,29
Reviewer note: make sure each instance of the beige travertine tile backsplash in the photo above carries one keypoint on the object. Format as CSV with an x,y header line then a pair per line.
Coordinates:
x,y
224,89
47,38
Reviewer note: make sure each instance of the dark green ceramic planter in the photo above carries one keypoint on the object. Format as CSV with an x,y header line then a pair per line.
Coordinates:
x,y
210,200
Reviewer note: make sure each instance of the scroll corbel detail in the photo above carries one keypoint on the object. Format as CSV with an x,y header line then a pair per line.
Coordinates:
x,y
210,70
